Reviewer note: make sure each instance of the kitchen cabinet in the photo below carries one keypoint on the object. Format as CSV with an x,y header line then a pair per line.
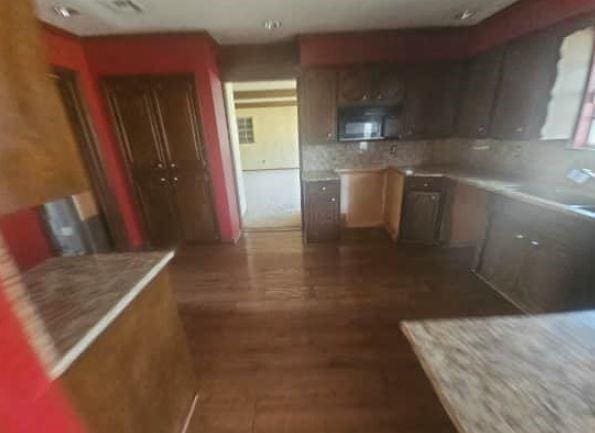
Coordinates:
x,y
528,74
39,157
377,84
318,106
422,210
432,93
159,133
321,210
356,85
477,102
536,260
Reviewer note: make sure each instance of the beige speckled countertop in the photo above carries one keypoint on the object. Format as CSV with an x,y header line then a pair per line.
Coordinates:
x,y
525,374
78,297
487,182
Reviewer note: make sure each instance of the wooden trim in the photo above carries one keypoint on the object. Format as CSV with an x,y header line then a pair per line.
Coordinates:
x,y
264,94
269,104
93,157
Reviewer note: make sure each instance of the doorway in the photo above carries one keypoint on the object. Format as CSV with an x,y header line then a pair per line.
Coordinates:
x,y
263,125
157,123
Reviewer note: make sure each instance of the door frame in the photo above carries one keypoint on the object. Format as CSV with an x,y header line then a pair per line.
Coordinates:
x,y
190,76
92,156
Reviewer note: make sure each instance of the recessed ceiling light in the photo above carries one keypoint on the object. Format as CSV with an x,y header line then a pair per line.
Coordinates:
x,y
65,11
465,15
271,25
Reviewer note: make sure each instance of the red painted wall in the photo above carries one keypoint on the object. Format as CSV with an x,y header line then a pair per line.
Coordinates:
x,y
195,54
29,401
406,46
162,54
67,51
25,237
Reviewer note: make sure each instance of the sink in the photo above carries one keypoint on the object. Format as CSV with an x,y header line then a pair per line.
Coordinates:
x,y
585,209
561,195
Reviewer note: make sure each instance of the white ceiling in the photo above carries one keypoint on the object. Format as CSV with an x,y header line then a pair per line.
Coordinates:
x,y
241,21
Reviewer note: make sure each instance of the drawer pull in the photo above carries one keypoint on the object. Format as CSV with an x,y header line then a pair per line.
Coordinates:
x,y
535,243
425,185
333,199
324,188
519,236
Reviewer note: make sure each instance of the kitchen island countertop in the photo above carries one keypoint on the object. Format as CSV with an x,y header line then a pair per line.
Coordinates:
x,y
77,298
521,374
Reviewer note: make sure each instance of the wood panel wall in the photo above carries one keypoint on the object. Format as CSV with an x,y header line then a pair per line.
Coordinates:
x,y
276,61
39,158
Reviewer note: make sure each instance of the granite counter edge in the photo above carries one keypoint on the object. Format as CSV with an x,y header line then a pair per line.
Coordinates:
x,y
90,336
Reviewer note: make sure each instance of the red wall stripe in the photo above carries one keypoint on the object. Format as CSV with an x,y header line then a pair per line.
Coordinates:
x,y
25,237
29,401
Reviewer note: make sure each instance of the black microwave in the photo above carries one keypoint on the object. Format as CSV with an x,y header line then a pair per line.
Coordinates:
x,y
359,123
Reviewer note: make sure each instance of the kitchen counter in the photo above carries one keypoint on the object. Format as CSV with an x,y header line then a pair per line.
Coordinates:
x,y
525,374
78,297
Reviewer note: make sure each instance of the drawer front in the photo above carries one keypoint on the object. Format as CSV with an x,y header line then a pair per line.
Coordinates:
x,y
424,183
319,189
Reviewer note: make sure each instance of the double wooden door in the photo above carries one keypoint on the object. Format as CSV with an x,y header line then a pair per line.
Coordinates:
x,y
158,128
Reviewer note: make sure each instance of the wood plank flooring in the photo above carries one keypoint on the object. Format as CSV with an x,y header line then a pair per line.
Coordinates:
x,y
290,338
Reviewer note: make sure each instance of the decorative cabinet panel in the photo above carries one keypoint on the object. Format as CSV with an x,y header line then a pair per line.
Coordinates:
x,y
422,206
318,106
528,74
481,82
322,210
432,93
378,84
159,132
538,262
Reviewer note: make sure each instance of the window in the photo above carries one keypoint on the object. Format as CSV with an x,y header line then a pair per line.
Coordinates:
x,y
245,130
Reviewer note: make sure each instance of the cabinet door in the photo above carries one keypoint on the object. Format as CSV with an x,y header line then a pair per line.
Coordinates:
x,y
420,219
546,277
528,75
131,103
322,211
502,255
318,106
483,75
389,87
184,154
356,85
432,94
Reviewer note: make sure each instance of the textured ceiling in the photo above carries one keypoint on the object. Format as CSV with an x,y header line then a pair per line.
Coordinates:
x,y
241,21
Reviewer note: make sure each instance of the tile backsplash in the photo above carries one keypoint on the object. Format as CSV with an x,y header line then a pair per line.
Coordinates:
x,y
534,160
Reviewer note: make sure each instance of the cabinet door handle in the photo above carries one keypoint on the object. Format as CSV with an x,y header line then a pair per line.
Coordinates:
x,y
329,135
159,165
333,199
162,180
176,178
173,165
324,188
520,129
535,243
519,236
425,185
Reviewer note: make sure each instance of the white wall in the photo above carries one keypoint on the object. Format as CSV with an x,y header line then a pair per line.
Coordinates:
x,y
235,146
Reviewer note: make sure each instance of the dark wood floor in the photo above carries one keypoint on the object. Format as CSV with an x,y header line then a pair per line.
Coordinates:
x,y
305,339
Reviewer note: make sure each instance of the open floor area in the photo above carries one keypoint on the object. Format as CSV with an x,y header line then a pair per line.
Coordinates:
x,y
288,337
273,199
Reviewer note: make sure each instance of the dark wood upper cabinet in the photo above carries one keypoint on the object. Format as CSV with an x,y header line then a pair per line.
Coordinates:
x,y
356,85
318,106
432,94
528,74
482,76
371,85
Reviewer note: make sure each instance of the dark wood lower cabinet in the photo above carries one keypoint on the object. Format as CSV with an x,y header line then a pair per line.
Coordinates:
x,y
540,261
422,209
322,210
